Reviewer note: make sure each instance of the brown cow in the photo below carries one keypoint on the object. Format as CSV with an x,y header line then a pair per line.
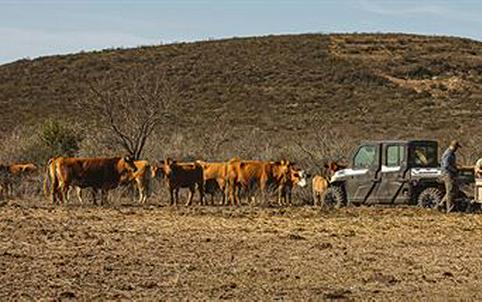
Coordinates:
x,y
245,174
319,186
215,179
183,175
100,174
320,183
10,173
141,178
295,177
52,180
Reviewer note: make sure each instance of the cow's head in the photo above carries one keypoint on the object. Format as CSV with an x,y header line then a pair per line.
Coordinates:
x,y
298,177
130,163
166,167
156,171
282,168
126,167
332,167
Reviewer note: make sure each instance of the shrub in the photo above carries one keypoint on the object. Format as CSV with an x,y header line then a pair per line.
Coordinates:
x,y
59,138
38,144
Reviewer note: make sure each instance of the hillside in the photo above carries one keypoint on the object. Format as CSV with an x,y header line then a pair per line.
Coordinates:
x,y
362,85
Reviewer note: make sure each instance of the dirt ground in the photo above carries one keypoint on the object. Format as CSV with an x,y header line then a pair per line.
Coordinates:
x,y
247,253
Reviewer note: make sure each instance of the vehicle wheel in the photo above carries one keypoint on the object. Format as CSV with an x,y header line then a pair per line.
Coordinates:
x,y
429,198
334,197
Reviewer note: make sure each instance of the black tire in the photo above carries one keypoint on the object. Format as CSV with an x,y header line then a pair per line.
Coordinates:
x,y
334,197
430,197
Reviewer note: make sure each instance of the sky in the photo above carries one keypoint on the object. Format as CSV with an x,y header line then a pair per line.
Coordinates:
x,y
33,28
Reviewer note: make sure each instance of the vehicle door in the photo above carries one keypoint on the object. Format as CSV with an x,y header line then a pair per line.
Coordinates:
x,y
363,178
393,182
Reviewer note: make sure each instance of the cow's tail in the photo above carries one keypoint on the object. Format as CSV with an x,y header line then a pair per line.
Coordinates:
x,y
47,180
149,180
50,180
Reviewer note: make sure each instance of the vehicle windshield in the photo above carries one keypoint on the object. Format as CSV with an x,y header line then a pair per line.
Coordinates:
x,y
366,157
424,156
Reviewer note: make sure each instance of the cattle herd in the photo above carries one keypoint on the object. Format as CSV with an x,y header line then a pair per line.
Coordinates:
x,y
234,179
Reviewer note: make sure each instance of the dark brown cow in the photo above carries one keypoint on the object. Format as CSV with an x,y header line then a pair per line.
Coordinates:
x,y
215,179
100,174
332,167
9,174
183,175
141,179
243,174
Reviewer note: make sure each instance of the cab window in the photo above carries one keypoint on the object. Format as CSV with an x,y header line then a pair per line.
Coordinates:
x,y
394,156
365,158
424,156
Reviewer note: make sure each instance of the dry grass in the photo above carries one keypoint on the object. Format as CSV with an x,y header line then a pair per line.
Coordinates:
x,y
270,88
240,254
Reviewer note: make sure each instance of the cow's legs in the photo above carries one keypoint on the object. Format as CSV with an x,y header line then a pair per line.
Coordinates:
x,y
64,196
287,195
10,188
177,196
105,194
232,193
171,193
222,186
54,192
140,190
281,195
103,197
225,197
201,193
143,191
192,190
2,190
94,196
231,188
315,198
237,190
263,190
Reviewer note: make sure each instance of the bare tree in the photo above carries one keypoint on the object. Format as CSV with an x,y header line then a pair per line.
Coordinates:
x,y
326,145
212,142
130,108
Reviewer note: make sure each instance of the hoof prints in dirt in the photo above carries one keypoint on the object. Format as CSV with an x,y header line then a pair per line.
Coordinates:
x,y
240,254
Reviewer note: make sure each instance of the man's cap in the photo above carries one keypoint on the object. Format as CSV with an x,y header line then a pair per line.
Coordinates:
x,y
455,143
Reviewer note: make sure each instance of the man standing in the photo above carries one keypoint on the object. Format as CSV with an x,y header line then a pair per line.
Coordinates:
x,y
449,174
478,168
